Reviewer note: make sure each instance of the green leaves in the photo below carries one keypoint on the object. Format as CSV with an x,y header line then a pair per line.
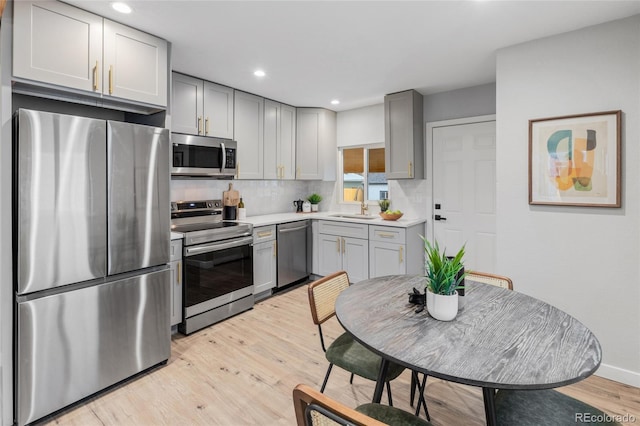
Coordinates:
x,y
442,272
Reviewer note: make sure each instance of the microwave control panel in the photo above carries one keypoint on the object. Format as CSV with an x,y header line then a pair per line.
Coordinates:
x,y
231,158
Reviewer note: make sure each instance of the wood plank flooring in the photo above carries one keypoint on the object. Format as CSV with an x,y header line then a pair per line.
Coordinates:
x,y
242,372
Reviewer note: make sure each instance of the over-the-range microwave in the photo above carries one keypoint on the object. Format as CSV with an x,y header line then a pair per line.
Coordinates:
x,y
202,156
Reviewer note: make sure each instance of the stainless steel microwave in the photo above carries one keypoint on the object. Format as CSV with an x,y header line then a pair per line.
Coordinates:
x,y
201,156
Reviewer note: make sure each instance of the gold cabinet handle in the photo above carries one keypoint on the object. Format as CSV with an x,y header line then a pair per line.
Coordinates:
x,y
401,258
338,244
281,172
110,79
179,277
275,248
199,125
95,77
410,169
343,245
297,172
385,235
237,170
262,234
206,126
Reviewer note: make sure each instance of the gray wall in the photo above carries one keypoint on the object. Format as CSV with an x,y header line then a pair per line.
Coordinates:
x,y
583,260
462,103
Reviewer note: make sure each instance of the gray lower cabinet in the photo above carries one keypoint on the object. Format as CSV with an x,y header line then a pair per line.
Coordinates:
x,y
264,260
176,282
343,246
395,251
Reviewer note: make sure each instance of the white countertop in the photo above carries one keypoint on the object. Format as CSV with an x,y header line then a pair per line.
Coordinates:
x,y
274,219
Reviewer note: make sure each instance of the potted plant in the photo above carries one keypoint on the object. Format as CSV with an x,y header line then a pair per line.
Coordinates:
x,y
314,199
444,276
384,205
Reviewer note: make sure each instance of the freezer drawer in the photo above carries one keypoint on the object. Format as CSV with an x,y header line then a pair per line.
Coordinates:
x,y
73,344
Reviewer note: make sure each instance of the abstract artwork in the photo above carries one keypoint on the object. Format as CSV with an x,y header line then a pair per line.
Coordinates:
x,y
575,160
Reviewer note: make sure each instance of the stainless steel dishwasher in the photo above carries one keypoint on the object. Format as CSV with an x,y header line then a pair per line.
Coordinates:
x,y
294,252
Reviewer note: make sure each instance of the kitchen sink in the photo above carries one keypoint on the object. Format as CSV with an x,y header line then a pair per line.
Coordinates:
x,y
353,216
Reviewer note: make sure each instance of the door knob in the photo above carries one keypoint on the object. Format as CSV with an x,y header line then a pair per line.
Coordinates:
x,y
438,217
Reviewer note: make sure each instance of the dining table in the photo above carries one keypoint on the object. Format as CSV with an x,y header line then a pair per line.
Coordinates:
x,y
500,339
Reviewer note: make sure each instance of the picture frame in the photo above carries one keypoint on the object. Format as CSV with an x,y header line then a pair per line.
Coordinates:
x,y
575,160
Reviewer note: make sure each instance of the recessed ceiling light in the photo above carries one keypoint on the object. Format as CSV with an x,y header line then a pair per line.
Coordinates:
x,y
121,7
335,102
259,73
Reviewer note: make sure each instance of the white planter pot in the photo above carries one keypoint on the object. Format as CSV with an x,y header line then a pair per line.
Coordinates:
x,y
314,207
441,307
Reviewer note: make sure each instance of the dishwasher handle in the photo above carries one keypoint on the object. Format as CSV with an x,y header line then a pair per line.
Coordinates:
x,y
285,230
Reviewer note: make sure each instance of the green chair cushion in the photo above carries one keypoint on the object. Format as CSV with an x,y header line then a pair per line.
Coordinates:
x,y
350,355
391,415
545,407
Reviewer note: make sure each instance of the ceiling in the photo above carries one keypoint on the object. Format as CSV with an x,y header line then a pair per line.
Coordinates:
x,y
354,51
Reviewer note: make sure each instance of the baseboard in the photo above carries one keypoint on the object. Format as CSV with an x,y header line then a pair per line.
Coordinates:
x,y
621,375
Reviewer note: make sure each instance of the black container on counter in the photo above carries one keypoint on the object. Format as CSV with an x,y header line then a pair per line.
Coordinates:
x,y
229,213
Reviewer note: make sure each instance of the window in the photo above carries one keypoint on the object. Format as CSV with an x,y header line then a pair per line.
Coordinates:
x,y
363,177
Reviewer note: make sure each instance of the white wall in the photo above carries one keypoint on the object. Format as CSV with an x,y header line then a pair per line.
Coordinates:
x,y
468,102
361,126
580,259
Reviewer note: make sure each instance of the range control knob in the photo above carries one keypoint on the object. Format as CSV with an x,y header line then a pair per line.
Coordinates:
x,y
217,203
209,204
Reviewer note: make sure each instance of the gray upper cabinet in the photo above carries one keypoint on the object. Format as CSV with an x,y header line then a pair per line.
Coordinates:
x,y
404,140
200,107
249,133
58,44
279,140
315,144
135,65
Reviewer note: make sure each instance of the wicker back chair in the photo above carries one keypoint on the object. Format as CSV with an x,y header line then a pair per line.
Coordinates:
x,y
344,351
315,409
497,280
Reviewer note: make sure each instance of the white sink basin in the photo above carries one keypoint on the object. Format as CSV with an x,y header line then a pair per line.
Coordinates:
x,y
353,216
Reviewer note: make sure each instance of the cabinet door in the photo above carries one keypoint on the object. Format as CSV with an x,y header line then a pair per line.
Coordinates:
x,y
58,44
218,111
135,65
264,266
355,258
329,254
308,154
186,104
176,292
404,135
287,149
249,133
386,259
272,134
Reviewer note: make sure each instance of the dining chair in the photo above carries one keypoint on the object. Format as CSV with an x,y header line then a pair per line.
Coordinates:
x,y
344,351
546,407
316,409
497,280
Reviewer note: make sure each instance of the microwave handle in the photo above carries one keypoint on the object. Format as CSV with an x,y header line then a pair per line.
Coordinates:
x,y
224,157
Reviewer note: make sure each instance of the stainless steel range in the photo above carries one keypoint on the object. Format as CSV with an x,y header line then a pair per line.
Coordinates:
x,y
218,264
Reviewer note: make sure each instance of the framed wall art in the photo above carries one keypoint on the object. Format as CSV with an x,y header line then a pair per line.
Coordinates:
x,y
574,160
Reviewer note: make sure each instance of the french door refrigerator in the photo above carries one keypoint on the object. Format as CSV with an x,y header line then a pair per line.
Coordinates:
x,y
91,243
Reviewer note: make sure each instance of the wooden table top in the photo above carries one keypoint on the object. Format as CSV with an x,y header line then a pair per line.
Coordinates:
x,y
500,339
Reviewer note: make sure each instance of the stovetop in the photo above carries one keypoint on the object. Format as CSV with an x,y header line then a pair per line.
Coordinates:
x,y
201,222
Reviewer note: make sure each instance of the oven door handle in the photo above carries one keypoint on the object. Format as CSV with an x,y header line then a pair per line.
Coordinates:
x,y
206,248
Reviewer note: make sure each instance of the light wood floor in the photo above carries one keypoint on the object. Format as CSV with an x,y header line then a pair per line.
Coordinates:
x,y
242,372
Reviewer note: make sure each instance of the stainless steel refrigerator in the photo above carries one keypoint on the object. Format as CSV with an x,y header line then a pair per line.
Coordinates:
x,y
91,243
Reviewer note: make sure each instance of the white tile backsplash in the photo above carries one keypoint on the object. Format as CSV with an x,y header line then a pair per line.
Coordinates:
x,y
276,196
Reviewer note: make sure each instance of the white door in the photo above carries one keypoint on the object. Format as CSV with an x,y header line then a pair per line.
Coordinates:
x,y
386,259
264,266
329,254
464,192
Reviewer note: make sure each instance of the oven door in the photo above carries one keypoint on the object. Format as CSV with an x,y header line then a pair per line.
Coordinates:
x,y
216,274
